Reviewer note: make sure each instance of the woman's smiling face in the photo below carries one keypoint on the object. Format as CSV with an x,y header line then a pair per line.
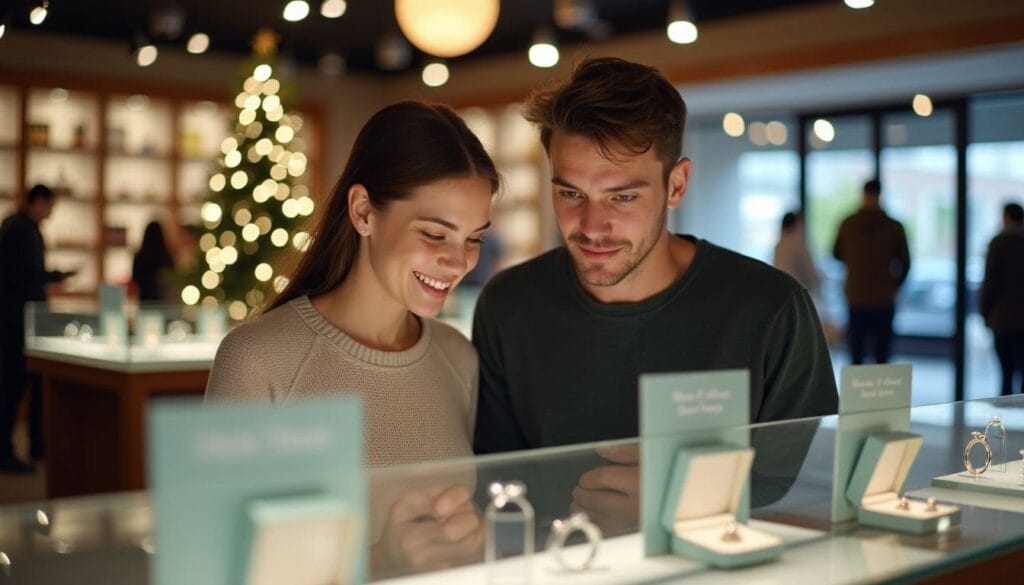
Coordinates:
x,y
420,247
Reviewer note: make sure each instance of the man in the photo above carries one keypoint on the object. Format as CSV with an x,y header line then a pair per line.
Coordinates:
x,y
1002,295
874,248
564,337
23,278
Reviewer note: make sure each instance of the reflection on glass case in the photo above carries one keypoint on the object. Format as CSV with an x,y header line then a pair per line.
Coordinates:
x,y
139,335
791,477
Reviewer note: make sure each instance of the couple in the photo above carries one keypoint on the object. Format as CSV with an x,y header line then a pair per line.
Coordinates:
x,y
561,339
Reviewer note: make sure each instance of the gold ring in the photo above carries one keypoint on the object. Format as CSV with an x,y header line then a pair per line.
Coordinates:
x,y
977,439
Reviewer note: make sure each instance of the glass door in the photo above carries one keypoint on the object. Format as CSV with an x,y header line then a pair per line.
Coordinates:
x,y
918,174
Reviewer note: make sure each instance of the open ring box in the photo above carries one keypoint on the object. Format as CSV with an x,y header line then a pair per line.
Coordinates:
x,y
307,540
704,497
877,480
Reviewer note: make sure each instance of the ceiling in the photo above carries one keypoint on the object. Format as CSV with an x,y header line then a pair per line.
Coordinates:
x,y
231,24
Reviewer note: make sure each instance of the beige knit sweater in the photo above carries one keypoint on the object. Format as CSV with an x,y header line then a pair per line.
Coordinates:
x,y
418,404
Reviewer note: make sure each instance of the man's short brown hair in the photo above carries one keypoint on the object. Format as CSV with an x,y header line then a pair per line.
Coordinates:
x,y
616,104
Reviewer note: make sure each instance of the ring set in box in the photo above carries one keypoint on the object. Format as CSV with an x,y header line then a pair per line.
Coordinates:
x,y
701,507
877,481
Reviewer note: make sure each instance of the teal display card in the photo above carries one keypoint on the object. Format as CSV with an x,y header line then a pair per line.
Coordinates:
x,y
685,409
113,325
111,298
872,399
213,468
212,323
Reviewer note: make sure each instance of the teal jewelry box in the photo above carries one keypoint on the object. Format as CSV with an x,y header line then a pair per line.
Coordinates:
x,y
876,483
308,540
702,504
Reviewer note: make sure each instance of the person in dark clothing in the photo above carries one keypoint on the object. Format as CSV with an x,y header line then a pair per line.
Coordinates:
x,y
874,248
23,279
564,337
151,264
1002,295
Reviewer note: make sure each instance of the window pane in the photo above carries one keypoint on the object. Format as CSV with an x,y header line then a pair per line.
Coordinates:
x,y
995,171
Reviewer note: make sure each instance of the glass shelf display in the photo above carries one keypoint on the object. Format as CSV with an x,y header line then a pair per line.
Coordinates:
x,y
117,162
138,337
62,120
519,214
789,489
138,126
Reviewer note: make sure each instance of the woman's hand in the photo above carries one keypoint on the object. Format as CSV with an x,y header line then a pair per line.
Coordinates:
x,y
427,532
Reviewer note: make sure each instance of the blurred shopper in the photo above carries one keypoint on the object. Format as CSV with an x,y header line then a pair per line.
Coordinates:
x,y
23,279
792,255
874,248
1002,295
151,265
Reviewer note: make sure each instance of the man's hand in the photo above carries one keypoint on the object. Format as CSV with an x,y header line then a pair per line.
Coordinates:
x,y
610,494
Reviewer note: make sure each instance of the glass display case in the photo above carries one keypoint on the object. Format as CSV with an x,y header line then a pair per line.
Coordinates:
x,y
789,490
139,337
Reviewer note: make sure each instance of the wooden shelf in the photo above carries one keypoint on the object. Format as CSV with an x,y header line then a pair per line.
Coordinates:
x,y
123,154
72,247
137,203
197,159
62,150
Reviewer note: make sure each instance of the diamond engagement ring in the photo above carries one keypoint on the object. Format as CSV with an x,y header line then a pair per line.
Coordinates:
x,y
560,531
977,439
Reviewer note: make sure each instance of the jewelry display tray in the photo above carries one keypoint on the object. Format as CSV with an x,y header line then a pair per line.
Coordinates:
x,y
877,482
1005,483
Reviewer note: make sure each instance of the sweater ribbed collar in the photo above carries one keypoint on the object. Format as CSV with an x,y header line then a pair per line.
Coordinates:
x,y
358,351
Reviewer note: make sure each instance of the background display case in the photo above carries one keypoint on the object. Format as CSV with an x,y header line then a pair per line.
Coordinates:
x,y
141,337
118,160
790,488
99,371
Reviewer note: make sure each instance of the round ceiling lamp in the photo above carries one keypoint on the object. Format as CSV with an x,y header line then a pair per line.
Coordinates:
x,y
447,28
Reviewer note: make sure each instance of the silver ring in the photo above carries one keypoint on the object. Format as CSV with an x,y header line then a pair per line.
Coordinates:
x,y
560,531
996,422
977,439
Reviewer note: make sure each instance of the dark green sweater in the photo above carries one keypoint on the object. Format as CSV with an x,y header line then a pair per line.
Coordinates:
x,y
558,367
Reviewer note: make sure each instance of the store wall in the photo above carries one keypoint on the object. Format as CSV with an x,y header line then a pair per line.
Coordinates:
x,y
345,103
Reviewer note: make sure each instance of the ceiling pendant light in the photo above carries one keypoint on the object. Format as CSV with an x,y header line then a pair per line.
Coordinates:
x,y
447,28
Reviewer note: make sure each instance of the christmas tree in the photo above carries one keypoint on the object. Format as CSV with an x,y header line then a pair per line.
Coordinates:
x,y
256,205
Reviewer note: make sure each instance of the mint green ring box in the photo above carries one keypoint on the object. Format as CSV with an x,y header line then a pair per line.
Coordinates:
x,y
704,495
877,482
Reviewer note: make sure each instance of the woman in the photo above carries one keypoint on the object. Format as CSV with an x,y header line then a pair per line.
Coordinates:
x,y
151,264
401,229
